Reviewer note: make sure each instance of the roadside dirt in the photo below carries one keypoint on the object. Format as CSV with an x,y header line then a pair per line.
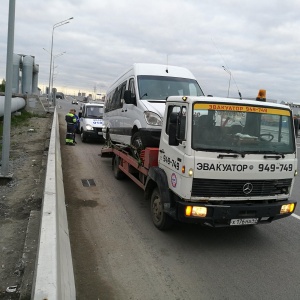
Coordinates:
x,y
21,197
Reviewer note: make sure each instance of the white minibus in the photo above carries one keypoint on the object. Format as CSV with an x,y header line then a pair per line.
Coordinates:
x,y
135,102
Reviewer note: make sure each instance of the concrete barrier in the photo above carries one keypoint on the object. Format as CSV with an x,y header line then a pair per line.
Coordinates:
x,y
54,275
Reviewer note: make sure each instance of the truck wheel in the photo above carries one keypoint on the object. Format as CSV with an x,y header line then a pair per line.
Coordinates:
x,y
83,136
115,166
136,142
160,219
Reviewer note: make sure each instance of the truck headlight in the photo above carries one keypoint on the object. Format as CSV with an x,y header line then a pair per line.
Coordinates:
x,y
152,118
196,211
89,127
287,208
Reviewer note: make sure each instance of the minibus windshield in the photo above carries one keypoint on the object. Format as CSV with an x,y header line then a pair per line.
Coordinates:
x,y
242,129
161,87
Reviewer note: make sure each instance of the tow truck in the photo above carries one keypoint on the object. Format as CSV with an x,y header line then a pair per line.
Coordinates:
x,y
220,162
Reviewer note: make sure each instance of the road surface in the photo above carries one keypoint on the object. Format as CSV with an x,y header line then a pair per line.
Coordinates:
x,y
119,254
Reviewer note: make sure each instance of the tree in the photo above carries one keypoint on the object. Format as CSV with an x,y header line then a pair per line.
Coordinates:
x,y
2,86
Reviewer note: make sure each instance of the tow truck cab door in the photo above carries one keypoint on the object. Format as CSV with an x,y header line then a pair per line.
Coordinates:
x,y
172,145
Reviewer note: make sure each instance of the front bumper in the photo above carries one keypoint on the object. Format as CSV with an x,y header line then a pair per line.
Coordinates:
x,y
96,133
221,215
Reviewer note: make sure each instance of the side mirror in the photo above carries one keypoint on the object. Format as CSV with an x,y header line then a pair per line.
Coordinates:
x,y
128,98
80,114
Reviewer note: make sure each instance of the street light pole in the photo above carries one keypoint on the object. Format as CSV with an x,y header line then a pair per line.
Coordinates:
x,y
227,71
64,22
8,90
55,56
53,74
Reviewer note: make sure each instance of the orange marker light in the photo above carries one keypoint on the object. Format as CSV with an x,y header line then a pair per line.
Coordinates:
x,y
261,95
188,211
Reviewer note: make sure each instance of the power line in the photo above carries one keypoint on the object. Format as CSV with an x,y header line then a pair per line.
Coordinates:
x,y
226,67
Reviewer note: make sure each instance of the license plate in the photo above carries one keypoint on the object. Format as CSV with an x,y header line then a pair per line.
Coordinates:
x,y
249,221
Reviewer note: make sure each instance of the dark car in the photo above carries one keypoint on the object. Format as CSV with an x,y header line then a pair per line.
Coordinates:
x,y
75,102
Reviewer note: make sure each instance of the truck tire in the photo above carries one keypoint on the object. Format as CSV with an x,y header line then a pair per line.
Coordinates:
x,y
161,220
115,166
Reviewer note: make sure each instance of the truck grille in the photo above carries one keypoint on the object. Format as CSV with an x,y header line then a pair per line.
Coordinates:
x,y
236,188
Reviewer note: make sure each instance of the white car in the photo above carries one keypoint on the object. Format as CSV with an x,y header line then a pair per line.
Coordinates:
x,y
91,121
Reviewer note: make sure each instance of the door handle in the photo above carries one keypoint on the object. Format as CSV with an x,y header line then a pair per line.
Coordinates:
x,y
162,151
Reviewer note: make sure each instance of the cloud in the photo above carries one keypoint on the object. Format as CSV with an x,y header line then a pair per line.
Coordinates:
x,y
257,41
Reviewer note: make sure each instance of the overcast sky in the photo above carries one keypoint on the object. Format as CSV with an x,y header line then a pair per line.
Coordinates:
x,y
258,41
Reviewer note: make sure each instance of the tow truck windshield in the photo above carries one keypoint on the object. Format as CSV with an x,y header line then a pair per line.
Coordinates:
x,y
242,129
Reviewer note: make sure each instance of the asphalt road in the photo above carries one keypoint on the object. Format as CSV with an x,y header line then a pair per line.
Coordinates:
x,y
119,254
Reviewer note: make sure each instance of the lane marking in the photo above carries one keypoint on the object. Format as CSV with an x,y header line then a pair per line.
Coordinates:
x,y
296,216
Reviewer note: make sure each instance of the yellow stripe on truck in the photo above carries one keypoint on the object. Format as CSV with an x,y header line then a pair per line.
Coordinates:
x,y
243,108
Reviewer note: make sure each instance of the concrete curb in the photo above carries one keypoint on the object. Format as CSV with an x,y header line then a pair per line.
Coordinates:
x,y
54,275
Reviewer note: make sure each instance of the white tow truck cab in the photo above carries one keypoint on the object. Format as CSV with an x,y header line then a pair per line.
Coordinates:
x,y
220,162
91,121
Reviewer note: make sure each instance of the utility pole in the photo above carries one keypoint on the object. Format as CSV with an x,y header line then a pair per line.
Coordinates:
x,y
8,91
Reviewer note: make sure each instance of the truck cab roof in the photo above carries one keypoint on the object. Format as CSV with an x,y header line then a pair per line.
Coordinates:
x,y
191,99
